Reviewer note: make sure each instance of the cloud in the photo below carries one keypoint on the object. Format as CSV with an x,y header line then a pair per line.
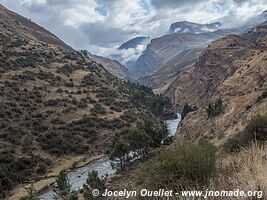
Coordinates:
x,y
100,26
159,4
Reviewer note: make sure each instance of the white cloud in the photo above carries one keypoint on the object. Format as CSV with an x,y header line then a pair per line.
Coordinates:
x,y
81,14
100,26
32,2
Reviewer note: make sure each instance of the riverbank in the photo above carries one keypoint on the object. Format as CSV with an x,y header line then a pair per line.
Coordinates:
x,y
78,168
47,181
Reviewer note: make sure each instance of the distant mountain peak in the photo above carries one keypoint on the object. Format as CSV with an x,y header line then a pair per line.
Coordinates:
x,y
192,27
132,43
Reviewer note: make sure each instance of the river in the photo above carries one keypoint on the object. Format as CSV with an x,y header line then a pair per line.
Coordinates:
x,y
77,177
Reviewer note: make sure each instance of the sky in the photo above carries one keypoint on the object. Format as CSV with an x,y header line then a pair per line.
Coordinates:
x,y
101,26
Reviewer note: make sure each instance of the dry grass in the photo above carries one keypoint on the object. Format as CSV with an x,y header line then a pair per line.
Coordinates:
x,y
246,171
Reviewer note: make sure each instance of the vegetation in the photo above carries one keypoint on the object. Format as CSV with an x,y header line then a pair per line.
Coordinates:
x,y
144,97
262,96
58,101
32,193
137,139
15,170
187,109
215,109
63,190
182,166
120,152
27,145
93,182
255,131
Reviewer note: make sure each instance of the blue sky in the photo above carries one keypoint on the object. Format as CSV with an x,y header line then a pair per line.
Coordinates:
x,y
100,26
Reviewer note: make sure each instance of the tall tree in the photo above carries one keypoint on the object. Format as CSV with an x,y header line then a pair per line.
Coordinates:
x,y
120,151
63,189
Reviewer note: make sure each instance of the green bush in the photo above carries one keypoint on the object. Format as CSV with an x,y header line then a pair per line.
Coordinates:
x,y
183,166
98,109
128,116
187,109
255,131
215,109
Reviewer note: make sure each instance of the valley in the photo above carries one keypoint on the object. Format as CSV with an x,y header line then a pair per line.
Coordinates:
x,y
189,113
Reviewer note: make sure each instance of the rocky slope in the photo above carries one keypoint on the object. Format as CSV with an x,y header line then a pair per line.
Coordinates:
x,y
182,51
234,69
164,77
163,49
56,101
113,66
155,59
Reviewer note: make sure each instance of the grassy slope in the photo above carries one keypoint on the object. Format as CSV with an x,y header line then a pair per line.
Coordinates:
x,y
56,101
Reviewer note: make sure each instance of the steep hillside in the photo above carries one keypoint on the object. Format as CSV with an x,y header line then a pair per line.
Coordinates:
x,y
162,79
163,49
113,66
56,101
232,69
221,142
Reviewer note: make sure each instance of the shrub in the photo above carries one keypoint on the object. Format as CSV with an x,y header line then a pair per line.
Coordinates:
x,y
98,109
185,165
262,96
187,109
256,130
128,116
215,109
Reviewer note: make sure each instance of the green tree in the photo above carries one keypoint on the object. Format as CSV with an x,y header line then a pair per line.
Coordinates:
x,y
138,140
63,189
93,182
187,109
120,151
215,109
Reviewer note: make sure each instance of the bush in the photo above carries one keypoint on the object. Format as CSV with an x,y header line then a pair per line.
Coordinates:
x,y
183,166
215,109
98,109
262,96
256,130
187,109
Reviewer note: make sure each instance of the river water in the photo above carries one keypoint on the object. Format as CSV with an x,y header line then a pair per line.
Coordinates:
x,y
77,177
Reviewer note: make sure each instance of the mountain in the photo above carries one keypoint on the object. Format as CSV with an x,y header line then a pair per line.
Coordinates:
x,y
162,82
113,66
191,27
57,104
253,21
162,50
133,43
165,75
232,69
223,99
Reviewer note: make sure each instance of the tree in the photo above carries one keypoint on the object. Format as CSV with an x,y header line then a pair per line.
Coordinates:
x,y
138,139
63,189
187,109
93,182
215,109
120,151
